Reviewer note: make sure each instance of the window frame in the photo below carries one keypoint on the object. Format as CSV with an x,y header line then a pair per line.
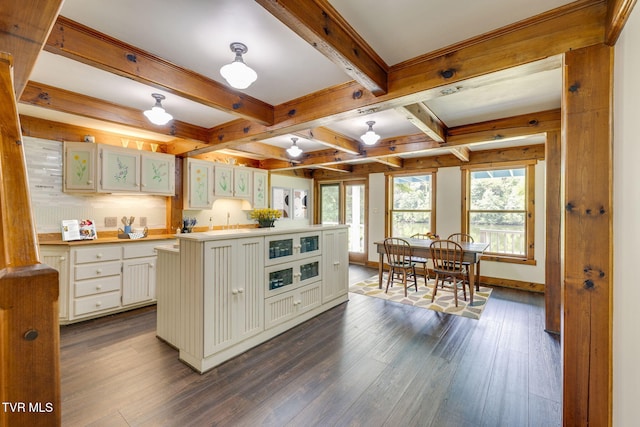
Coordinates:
x,y
530,188
389,196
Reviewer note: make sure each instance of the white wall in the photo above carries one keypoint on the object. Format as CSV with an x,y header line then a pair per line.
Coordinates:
x,y
448,221
626,228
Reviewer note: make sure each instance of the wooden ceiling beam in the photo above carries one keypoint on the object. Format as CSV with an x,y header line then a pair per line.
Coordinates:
x,y
467,64
392,161
331,139
317,22
80,43
337,168
25,26
425,120
462,153
510,127
53,98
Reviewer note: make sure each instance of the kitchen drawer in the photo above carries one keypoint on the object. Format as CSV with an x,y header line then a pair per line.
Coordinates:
x,y
100,269
97,286
98,253
96,303
140,250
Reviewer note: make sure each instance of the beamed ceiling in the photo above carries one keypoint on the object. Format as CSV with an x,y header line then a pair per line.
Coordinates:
x,y
442,86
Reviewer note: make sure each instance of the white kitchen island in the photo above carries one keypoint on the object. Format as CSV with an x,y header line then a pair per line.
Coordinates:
x,y
240,288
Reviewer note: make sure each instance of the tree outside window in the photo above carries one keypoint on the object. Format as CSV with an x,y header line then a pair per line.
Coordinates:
x,y
411,204
497,209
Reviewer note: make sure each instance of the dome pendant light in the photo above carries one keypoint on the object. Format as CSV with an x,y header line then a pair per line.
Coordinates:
x,y
156,114
294,150
370,137
238,74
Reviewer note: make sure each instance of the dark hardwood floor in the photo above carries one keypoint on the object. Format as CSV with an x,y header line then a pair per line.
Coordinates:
x,y
367,362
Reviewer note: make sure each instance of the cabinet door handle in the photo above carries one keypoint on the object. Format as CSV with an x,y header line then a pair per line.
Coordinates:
x,y
234,291
151,265
62,258
90,182
240,290
336,263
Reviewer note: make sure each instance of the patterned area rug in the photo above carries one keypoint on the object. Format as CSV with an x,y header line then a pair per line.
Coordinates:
x,y
444,301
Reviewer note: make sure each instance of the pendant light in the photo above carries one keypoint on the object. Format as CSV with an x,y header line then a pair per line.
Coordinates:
x,y
156,114
238,74
370,137
294,150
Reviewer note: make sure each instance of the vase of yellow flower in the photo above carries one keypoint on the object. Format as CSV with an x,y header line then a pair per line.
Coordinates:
x,y
265,217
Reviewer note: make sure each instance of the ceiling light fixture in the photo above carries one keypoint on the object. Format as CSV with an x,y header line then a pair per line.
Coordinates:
x,y
238,74
294,150
370,137
156,114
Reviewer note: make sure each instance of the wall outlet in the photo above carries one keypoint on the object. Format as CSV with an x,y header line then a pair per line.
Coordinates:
x,y
110,221
143,221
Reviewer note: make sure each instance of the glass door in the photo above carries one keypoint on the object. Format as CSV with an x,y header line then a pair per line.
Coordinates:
x,y
344,202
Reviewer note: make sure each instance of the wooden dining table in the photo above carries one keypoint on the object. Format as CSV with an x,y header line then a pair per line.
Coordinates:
x,y
472,251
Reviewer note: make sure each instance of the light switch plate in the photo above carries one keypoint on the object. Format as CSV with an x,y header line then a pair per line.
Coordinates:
x,y
143,221
110,221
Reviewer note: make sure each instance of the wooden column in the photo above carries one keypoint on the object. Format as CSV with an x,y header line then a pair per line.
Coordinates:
x,y
29,330
588,219
553,240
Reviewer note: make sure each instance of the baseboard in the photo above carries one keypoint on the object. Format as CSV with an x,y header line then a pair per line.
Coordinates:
x,y
496,281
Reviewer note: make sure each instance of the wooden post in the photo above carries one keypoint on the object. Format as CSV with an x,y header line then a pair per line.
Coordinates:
x,y
588,220
553,246
29,330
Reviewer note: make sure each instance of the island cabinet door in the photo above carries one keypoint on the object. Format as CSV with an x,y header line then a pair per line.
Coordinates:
x,y
233,292
138,280
335,264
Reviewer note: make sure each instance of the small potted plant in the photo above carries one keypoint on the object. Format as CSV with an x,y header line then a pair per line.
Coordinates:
x,y
265,217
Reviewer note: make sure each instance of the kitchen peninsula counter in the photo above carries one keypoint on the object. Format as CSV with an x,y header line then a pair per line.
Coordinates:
x,y
238,288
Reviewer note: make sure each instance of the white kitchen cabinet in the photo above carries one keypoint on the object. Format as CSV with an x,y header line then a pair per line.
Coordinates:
x,y
97,279
157,173
96,168
234,297
290,247
57,257
119,169
223,181
335,260
80,168
198,182
289,305
242,182
260,189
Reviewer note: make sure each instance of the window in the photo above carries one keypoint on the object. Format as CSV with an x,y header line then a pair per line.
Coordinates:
x,y
411,204
499,208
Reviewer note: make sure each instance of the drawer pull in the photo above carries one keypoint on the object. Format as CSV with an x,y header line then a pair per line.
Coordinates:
x,y
99,303
98,287
99,271
98,255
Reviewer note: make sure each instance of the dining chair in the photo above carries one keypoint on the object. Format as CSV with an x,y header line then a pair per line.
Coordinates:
x,y
398,253
464,237
422,261
447,258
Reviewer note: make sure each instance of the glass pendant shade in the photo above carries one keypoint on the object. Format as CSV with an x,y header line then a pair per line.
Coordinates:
x,y
157,115
294,150
238,74
370,137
